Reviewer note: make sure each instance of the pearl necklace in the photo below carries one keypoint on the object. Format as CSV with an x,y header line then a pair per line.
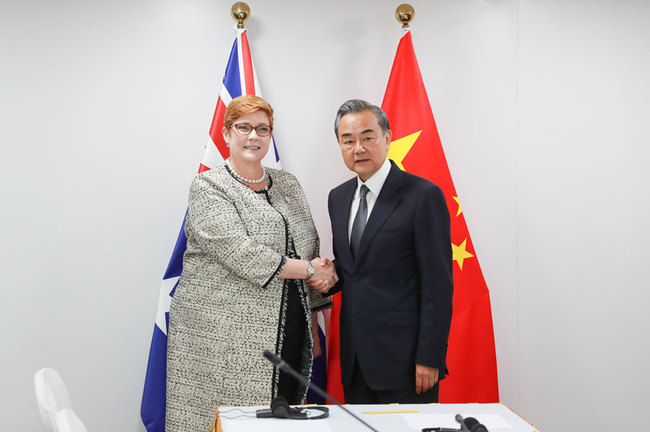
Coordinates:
x,y
244,179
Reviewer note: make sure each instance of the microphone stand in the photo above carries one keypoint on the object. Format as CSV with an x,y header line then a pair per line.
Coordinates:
x,y
282,365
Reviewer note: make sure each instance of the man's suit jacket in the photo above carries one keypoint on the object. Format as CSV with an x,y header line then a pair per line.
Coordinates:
x,y
397,293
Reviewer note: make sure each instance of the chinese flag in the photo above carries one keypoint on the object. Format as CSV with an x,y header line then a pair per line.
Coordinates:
x,y
416,148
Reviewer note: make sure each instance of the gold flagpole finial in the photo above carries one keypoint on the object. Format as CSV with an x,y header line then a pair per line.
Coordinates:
x,y
240,13
404,14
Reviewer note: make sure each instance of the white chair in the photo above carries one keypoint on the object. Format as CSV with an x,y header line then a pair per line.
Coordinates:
x,y
66,420
51,396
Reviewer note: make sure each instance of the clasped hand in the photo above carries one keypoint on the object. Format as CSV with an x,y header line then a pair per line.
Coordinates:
x,y
324,276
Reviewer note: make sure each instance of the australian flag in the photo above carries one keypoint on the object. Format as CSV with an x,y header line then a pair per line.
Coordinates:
x,y
240,79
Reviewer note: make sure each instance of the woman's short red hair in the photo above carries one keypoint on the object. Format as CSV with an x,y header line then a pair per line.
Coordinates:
x,y
245,105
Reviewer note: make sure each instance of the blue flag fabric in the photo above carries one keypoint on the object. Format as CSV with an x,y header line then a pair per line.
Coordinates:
x,y
153,397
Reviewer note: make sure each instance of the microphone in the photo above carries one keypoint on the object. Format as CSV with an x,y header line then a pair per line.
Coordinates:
x,y
276,360
282,365
470,424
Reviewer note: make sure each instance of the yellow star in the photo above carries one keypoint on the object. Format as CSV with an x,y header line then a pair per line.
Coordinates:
x,y
400,148
460,210
459,253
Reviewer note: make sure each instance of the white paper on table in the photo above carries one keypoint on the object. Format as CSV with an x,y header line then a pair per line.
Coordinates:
x,y
273,425
420,421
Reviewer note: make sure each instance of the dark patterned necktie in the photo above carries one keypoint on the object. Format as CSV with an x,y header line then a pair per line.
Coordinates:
x,y
359,221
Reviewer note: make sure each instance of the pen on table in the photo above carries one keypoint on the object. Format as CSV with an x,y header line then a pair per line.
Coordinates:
x,y
391,412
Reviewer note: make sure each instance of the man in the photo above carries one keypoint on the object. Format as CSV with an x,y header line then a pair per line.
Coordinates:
x,y
392,249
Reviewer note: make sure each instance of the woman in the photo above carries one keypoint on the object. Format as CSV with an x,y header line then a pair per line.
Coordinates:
x,y
251,242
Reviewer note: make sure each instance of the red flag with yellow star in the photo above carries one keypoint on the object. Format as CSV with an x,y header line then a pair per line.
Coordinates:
x,y
416,148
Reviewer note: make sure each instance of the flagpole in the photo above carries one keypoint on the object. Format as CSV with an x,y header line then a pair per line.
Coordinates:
x,y
404,14
240,13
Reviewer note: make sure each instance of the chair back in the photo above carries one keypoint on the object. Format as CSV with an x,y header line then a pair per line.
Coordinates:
x,y
66,420
51,395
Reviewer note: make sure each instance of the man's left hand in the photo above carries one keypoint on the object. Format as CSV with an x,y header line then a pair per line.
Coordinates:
x,y
425,378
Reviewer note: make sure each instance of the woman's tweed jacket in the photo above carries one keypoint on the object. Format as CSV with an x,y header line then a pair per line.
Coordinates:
x,y
229,304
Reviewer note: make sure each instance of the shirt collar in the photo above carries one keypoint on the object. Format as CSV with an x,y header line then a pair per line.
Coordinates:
x,y
376,182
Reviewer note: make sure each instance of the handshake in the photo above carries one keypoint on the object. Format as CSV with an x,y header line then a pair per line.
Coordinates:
x,y
324,276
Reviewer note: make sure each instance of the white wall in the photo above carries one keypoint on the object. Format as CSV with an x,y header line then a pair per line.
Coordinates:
x,y
582,213
105,108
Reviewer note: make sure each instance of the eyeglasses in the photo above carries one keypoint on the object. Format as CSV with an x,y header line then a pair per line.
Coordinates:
x,y
246,129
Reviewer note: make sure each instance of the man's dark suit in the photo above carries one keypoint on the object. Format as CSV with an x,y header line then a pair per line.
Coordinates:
x,y
397,294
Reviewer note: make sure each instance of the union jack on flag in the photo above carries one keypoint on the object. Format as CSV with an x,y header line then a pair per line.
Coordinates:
x,y
239,79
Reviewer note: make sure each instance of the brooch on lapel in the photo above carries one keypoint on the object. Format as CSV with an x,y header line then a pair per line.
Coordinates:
x,y
287,199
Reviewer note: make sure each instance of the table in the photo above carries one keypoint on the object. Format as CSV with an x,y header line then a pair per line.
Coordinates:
x,y
495,416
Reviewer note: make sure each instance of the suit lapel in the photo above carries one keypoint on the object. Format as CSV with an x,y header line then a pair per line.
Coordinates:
x,y
388,199
341,218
